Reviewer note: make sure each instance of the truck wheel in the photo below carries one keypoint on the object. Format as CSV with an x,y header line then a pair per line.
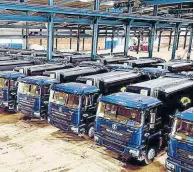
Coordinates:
x,y
91,130
150,155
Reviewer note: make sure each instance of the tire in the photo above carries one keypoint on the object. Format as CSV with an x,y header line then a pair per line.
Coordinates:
x,y
90,130
150,155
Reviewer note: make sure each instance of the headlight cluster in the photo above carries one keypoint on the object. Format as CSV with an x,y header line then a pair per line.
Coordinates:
x,y
134,152
170,166
5,103
74,129
96,139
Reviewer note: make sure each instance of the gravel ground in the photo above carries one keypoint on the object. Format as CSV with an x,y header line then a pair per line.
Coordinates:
x,y
34,146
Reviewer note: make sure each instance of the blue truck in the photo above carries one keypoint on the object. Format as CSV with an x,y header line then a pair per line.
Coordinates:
x,y
137,123
180,147
85,93
8,89
33,96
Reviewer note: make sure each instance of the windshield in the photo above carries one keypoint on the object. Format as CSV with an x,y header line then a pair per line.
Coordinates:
x,y
31,89
65,99
183,130
3,83
121,114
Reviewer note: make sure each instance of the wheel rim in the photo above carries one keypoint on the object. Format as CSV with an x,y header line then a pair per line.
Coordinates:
x,y
91,132
151,154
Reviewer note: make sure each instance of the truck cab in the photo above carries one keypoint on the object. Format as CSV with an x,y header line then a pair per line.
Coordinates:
x,y
33,96
8,89
129,124
72,107
180,147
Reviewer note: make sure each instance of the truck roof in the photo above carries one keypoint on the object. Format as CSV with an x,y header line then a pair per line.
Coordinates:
x,y
81,70
166,84
131,100
39,80
174,64
120,67
43,66
142,61
11,74
186,115
154,70
110,76
15,62
75,88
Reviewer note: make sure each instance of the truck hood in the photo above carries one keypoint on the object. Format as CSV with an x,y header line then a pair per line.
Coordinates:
x,y
181,151
132,136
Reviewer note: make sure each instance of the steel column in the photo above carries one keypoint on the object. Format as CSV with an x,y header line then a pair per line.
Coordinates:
x,y
159,40
56,40
152,33
70,41
83,44
138,42
27,36
50,33
112,40
190,44
185,39
40,39
170,39
151,39
78,39
95,31
178,40
175,41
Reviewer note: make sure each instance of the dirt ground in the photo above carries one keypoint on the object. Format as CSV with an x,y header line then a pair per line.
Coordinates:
x,y
35,146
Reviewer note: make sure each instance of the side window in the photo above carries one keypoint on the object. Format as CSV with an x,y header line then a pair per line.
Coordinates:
x,y
88,100
12,84
45,90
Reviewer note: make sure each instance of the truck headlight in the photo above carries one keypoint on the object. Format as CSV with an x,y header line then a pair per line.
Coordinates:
x,y
134,152
37,114
48,119
96,139
170,165
74,129
5,103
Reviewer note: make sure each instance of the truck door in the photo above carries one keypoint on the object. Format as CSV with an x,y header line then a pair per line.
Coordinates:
x,y
153,122
89,103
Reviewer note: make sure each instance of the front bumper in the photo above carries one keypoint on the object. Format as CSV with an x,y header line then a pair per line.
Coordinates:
x,y
173,166
8,105
69,127
119,148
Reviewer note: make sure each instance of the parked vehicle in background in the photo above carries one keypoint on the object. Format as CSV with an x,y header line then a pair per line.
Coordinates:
x,y
175,66
33,96
80,120
8,89
180,147
137,124
40,69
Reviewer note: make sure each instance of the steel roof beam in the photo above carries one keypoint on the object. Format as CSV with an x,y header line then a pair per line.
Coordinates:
x,y
81,12
159,2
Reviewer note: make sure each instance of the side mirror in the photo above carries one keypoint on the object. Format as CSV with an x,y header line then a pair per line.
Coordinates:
x,y
152,120
16,84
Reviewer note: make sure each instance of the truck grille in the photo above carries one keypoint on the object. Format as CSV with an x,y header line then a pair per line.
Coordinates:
x,y
184,155
112,145
1,95
64,118
26,106
118,137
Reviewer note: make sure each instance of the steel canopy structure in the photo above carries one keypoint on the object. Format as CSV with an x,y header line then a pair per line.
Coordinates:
x,y
59,17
